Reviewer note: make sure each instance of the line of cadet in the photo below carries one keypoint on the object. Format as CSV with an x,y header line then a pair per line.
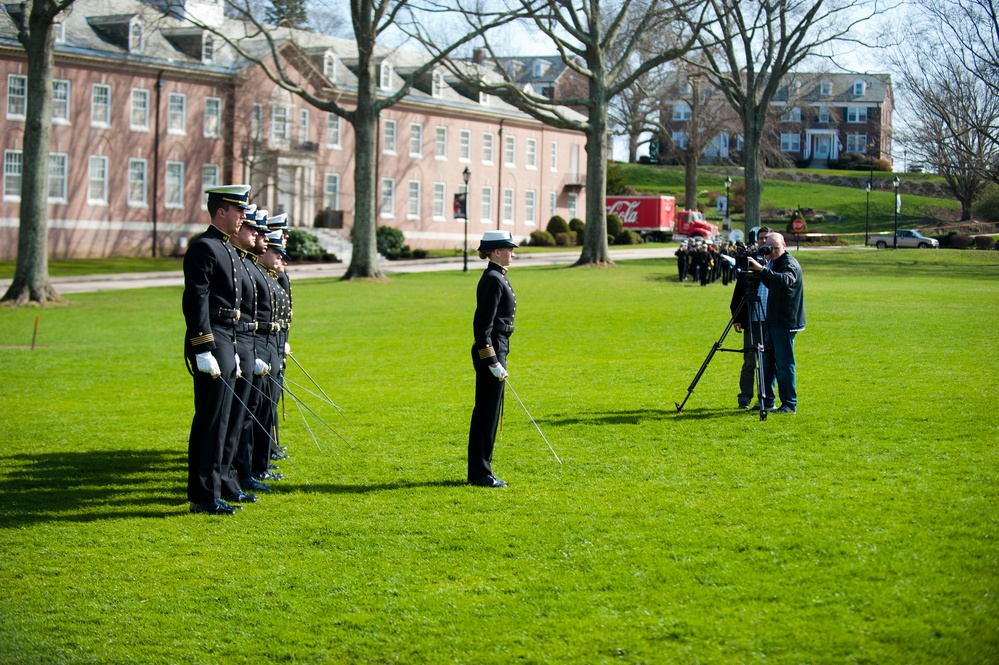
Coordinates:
x,y
702,261
237,308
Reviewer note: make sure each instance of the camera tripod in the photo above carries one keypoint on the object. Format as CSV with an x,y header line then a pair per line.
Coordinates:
x,y
751,303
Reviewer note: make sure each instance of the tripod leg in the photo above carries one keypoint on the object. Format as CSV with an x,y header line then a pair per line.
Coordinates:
x,y
711,353
756,334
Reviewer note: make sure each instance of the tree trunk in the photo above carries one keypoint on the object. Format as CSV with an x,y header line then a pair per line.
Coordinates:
x,y
595,249
690,176
633,148
364,260
31,283
753,136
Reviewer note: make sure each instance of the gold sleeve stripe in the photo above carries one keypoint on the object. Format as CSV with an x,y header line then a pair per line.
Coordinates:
x,y
202,339
487,352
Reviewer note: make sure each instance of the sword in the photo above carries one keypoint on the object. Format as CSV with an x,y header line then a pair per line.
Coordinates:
x,y
319,387
507,379
310,410
319,397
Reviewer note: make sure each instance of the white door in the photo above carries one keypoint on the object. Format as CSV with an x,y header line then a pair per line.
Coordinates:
x,y
823,145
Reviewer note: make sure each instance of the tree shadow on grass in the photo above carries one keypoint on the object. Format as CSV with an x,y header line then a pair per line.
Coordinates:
x,y
380,487
90,486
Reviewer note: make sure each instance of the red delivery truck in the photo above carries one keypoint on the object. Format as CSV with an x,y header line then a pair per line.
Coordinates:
x,y
656,219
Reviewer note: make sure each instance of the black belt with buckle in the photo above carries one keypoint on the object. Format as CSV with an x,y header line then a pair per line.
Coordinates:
x,y
246,327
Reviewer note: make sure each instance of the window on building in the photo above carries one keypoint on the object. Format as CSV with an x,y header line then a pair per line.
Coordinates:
x,y
97,183
100,106
465,145
532,153
573,206
856,114
139,117
487,148
60,101
207,49
508,202
17,96
510,151
680,140
437,85
440,199
790,142
681,111
13,170
209,178
487,205
303,126
385,76
257,122
280,124
329,67
60,32
856,143
825,88
483,99
413,200
332,194
530,207
858,88
213,117
552,204
173,193
388,197
792,114
823,114
177,113
137,182
416,140
388,137
554,157
58,165
136,40
332,130
440,142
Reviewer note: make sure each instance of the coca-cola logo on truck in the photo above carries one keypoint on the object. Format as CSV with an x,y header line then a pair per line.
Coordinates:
x,y
627,211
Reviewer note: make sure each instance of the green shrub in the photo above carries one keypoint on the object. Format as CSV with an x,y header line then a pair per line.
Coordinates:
x,y
614,225
986,208
557,225
567,239
959,241
628,237
542,239
616,181
390,241
420,253
303,246
984,242
579,227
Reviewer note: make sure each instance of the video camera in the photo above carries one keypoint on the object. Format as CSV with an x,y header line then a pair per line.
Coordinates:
x,y
759,253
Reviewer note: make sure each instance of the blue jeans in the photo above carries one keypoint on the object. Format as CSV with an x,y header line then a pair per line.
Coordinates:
x,y
781,370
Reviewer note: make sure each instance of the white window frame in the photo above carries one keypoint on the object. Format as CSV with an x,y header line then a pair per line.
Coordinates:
x,y
856,143
681,111
679,139
858,88
13,174
333,133
61,97
530,207
133,170
823,114
573,205
437,84
207,48
173,185
483,99
486,205
100,112
136,37
532,154
440,201
554,157
389,137
509,201
177,116
329,67
387,198
790,142
210,116
97,174
413,194
331,191
209,178
58,162
385,76
280,124
792,114
303,126
440,142
465,145
510,151
488,147
139,94
857,114
553,202
825,88
416,140
17,96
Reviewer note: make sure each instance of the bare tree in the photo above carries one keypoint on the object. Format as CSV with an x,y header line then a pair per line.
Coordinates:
x,y
598,42
35,31
753,45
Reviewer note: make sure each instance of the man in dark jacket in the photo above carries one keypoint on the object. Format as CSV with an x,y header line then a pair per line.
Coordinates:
x,y
785,317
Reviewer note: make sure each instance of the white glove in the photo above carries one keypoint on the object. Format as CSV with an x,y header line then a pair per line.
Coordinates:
x,y
260,368
239,372
498,371
287,349
207,364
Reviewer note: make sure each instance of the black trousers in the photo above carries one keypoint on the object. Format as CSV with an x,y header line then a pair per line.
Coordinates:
x,y
239,416
206,448
265,426
486,413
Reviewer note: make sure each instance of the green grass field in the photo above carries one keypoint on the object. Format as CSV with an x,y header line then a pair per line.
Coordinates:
x,y
861,530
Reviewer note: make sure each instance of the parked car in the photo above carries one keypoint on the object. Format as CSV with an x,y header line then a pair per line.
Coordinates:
x,y
906,238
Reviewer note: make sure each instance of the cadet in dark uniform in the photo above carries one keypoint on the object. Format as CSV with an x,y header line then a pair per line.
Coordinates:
x,y
263,438
211,304
492,326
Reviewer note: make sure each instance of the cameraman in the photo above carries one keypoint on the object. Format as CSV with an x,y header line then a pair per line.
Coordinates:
x,y
750,321
785,317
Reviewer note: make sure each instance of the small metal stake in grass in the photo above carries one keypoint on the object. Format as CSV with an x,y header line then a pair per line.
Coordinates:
x,y
34,335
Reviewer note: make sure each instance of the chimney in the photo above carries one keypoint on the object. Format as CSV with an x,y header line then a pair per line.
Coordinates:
x,y
478,56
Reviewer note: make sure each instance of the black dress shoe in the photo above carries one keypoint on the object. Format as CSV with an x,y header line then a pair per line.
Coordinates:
x,y
278,456
487,481
269,475
254,484
217,507
273,467
242,497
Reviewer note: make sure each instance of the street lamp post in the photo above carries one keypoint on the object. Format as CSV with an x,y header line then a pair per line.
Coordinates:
x,y
466,174
728,203
867,222
894,239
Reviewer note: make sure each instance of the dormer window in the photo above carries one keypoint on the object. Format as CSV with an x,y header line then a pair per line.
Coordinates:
x,y
858,88
825,88
385,76
207,49
795,87
685,88
135,37
60,33
538,69
437,85
681,111
483,98
329,67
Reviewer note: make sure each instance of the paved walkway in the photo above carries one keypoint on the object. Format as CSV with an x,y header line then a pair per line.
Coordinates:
x,y
116,282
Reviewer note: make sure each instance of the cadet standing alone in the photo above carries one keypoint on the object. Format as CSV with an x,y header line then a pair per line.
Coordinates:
x,y
495,307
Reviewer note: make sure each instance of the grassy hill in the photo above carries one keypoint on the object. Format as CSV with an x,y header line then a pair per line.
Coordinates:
x,y
850,203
